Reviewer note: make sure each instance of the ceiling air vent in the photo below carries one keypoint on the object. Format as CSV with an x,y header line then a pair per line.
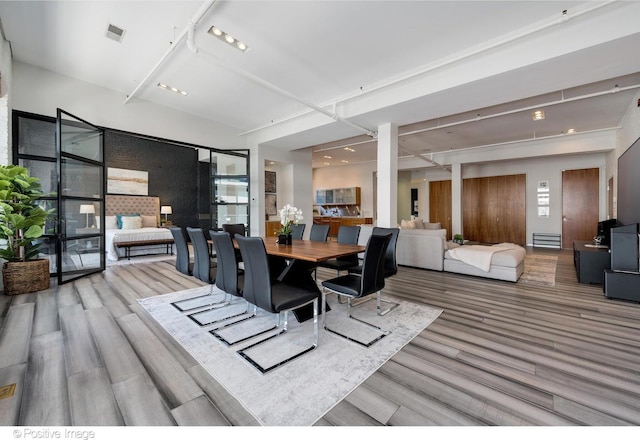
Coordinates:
x,y
115,33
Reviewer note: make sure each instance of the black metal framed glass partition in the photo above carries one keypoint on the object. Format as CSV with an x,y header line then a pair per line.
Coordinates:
x,y
34,147
80,148
229,190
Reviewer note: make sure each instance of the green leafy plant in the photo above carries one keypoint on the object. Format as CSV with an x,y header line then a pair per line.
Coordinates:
x,y
22,220
457,238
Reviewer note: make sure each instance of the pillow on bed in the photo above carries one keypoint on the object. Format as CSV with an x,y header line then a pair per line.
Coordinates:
x,y
131,222
149,221
110,222
119,218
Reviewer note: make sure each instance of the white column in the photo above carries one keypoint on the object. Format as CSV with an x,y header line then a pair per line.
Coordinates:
x,y
387,199
256,196
456,199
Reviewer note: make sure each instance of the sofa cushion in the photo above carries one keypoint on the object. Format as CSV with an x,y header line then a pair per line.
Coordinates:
x,y
432,225
419,223
407,224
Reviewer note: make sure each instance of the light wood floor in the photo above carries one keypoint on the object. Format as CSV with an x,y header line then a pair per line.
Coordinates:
x,y
501,354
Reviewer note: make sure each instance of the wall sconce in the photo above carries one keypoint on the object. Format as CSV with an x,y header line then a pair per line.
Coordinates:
x,y
87,209
166,210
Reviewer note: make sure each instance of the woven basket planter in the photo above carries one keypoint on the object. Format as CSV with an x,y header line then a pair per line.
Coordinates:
x,y
25,276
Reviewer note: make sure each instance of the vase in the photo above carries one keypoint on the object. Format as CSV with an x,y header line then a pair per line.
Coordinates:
x,y
289,239
282,238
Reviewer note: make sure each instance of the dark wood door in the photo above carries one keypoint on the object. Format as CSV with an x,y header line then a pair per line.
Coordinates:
x,y
494,209
580,205
440,204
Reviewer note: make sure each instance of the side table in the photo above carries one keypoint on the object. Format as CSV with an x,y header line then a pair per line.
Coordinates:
x,y
590,261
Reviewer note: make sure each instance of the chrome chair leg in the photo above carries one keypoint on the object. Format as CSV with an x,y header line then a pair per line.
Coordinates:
x,y
211,304
349,305
194,315
284,323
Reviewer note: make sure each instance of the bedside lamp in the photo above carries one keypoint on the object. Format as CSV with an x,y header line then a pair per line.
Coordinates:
x,y
87,209
166,210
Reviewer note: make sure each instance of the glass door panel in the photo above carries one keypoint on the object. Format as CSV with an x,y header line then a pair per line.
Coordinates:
x,y
229,188
81,197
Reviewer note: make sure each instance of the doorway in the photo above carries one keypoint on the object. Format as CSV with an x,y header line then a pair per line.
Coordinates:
x,y
580,205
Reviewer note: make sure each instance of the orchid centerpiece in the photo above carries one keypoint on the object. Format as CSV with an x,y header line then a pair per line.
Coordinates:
x,y
289,216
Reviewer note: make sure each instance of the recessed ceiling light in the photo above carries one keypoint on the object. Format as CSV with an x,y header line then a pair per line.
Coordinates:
x,y
327,163
349,149
571,131
538,115
344,161
223,36
172,89
327,157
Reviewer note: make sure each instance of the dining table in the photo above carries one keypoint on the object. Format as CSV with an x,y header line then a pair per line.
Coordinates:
x,y
295,263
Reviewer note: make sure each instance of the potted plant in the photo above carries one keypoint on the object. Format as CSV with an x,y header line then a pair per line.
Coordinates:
x,y
289,216
458,239
22,222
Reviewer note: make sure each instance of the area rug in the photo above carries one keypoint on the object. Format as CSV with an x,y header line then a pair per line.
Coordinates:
x,y
539,270
300,392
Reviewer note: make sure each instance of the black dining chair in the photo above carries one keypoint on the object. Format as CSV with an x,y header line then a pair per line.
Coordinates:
x,y
235,229
390,262
319,232
229,279
272,296
297,231
183,259
346,235
370,281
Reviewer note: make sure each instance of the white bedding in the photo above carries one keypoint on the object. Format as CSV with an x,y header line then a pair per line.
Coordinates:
x,y
479,256
113,236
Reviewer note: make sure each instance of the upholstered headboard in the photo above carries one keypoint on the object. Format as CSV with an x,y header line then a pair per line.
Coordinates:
x,y
143,205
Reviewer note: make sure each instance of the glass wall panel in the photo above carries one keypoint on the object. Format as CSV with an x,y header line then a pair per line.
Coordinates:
x,y
232,190
45,171
225,164
80,179
36,137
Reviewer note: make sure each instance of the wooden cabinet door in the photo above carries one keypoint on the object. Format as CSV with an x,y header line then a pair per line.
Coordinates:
x,y
580,205
440,204
494,209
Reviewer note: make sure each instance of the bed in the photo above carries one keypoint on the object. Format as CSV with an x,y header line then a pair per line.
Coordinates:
x,y
134,220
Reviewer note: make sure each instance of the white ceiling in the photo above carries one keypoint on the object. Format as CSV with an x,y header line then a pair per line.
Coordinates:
x,y
418,64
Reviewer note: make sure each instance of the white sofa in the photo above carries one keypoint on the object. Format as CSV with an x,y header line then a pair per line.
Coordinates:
x,y
423,248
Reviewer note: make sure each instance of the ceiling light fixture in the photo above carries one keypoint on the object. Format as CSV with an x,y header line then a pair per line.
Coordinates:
x,y
172,89
538,115
223,36
351,150
327,157
571,131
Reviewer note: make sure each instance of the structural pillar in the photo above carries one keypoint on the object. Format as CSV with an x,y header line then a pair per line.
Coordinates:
x,y
387,199
456,199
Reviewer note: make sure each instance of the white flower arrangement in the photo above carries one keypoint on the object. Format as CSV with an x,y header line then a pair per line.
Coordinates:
x,y
289,216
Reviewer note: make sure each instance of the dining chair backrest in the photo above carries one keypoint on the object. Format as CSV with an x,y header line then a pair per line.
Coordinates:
x,y
349,235
319,232
182,250
297,231
234,228
391,265
257,280
227,266
372,278
202,260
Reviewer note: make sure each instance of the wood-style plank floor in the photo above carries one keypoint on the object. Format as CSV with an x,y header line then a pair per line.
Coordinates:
x,y
501,354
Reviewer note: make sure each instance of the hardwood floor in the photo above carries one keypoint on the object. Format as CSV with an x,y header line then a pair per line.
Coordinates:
x,y
86,354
